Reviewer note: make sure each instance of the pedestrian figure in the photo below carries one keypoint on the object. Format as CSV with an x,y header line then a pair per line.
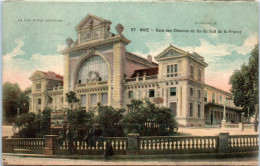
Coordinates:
x,y
69,137
256,125
108,150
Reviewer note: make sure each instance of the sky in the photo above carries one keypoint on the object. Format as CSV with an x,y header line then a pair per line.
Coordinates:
x,y
31,43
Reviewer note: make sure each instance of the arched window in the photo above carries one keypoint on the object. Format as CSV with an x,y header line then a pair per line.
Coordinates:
x,y
93,69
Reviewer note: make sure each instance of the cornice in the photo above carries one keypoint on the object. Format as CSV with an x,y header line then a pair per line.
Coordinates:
x,y
88,45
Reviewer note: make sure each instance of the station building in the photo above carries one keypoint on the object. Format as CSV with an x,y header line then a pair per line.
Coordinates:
x,y
98,68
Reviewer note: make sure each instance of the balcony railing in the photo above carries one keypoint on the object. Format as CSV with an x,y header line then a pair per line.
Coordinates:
x,y
92,83
144,78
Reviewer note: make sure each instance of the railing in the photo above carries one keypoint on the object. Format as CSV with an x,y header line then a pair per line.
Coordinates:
x,y
231,126
133,143
97,147
243,143
248,126
154,145
151,77
29,145
130,79
92,83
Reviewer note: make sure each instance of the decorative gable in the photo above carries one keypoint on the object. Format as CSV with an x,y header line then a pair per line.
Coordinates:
x,y
89,22
93,28
169,52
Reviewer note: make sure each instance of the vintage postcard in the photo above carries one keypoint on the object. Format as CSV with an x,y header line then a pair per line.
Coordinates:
x,y
121,83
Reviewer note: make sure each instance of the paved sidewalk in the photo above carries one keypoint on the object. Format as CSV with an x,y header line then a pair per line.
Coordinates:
x,y
19,160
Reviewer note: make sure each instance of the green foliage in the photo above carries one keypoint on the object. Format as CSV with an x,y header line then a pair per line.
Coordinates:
x,y
31,125
14,98
72,99
110,120
148,119
245,83
80,121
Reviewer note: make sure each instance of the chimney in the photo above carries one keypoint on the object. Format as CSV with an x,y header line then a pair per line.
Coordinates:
x,y
149,58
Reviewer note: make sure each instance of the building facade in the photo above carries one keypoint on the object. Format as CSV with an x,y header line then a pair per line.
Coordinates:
x,y
98,68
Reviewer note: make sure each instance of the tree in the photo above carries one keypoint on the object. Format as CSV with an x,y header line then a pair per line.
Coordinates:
x,y
148,119
31,125
72,99
110,120
13,99
80,122
245,84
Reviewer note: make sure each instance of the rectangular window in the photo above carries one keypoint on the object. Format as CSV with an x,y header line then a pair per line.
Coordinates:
x,y
191,92
220,98
191,71
93,99
130,94
151,93
213,97
39,111
168,68
199,111
39,101
199,74
191,109
104,98
199,94
176,68
38,86
171,68
83,100
61,99
173,91
206,96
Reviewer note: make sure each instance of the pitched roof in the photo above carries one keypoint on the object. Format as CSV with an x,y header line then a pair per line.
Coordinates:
x,y
51,74
47,75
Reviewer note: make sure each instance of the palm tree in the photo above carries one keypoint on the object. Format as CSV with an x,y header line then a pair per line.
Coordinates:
x,y
71,98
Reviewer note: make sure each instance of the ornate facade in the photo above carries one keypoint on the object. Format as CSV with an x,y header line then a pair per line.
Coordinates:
x,y
98,68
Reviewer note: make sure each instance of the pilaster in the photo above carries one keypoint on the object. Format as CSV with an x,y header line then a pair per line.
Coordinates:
x,y
66,79
118,74
179,102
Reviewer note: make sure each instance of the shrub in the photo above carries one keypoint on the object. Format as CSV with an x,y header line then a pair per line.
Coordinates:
x,y
110,120
148,119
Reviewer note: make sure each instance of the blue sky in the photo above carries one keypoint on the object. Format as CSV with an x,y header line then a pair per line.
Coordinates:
x,y
30,46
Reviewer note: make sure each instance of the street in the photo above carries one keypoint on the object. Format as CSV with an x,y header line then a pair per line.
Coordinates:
x,y
20,160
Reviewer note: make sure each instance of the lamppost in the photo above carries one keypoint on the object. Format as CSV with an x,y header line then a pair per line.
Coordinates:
x,y
224,112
